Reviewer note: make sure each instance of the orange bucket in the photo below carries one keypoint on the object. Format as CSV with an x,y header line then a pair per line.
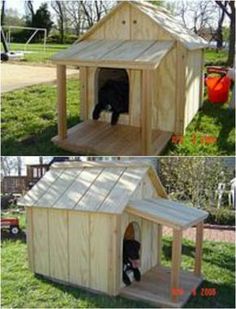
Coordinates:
x,y
218,89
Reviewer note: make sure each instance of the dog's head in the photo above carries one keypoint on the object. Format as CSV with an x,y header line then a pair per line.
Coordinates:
x,y
131,250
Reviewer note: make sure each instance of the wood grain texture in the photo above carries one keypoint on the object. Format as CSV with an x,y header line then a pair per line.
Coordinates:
x,y
146,246
166,212
159,243
181,59
165,93
58,188
118,198
91,92
135,98
100,189
194,75
154,288
146,107
176,263
160,190
61,101
83,93
198,253
118,26
40,188
100,138
30,237
58,241
144,27
100,234
79,259
40,241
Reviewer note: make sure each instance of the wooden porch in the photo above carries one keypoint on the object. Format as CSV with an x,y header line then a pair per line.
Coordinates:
x,y
100,138
155,287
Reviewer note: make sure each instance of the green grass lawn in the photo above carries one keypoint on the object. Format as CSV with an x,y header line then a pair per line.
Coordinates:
x,y
21,288
29,122
37,53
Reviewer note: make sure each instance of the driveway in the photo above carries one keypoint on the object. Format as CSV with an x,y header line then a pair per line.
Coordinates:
x,y
15,76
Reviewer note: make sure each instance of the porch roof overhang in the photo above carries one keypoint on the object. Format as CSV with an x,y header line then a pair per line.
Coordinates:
x,y
166,212
115,53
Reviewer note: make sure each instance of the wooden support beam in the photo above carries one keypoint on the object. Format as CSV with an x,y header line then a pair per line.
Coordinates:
x,y
147,95
198,253
176,263
181,58
159,243
61,101
83,93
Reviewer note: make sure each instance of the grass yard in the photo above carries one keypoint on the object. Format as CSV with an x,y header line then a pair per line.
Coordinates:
x,y
20,288
29,123
37,54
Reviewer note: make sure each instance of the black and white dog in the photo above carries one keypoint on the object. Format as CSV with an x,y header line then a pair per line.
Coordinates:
x,y
114,97
131,260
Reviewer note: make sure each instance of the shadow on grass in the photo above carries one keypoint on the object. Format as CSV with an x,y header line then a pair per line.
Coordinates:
x,y
37,143
96,300
6,235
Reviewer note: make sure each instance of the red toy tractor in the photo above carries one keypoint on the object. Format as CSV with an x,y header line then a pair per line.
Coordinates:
x,y
12,224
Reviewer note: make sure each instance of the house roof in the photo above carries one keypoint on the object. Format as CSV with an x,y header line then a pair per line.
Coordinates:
x,y
167,212
163,18
172,25
90,186
120,53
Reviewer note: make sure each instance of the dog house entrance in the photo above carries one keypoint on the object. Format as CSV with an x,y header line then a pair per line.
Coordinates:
x,y
133,232
130,253
112,86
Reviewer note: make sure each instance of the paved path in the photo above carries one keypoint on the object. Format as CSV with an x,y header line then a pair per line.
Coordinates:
x,y
16,76
209,234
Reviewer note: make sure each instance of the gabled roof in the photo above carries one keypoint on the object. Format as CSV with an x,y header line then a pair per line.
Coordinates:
x,y
163,19
104,187
168,22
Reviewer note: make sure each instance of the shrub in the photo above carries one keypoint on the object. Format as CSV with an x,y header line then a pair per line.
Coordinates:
x,y
221,216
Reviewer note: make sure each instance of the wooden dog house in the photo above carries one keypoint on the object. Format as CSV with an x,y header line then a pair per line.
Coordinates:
x,y
164,64
78,214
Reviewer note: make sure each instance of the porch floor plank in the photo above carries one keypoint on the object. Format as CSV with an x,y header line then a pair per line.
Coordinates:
x,y
154,287
100,138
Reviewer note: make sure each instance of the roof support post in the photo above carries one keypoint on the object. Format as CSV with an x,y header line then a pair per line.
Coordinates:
x,y
61,101
198,252
176,262
159,243
146,109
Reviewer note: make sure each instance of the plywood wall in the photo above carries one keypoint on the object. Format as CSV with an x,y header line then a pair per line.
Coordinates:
x,y
193,84
150,251
164,109
75,247
129,23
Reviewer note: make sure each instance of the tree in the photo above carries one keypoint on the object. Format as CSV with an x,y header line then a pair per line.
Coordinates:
x,y
196,16
219,30
19,166
3,12
61,15
42,18
228,7
93,11
39,19
193,179
9,165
